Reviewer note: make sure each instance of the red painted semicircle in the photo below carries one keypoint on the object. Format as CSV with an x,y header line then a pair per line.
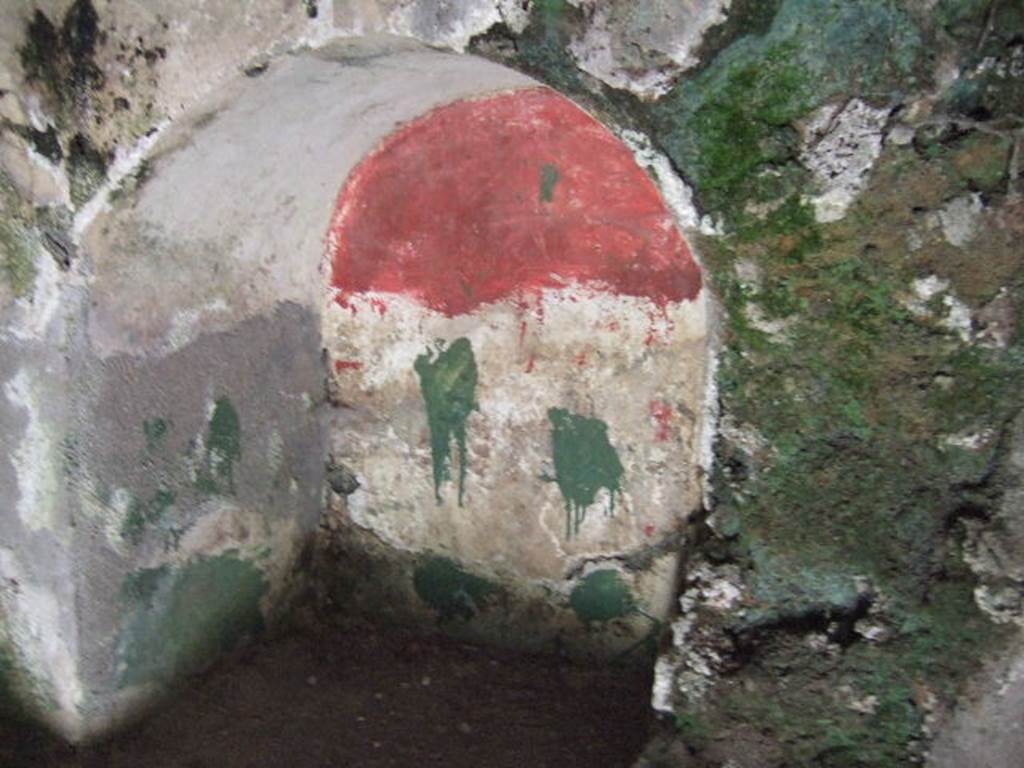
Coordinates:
x,y
505,196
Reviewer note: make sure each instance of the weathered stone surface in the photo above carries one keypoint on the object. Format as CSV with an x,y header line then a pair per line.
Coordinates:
x,y
642,47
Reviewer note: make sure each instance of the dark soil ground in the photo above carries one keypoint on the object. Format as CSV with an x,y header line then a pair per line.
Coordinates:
x,y
372,698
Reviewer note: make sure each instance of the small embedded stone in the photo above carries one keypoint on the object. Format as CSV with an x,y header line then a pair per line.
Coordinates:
x,y
342,480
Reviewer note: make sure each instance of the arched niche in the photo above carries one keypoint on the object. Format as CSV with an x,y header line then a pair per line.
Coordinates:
x,y
511,328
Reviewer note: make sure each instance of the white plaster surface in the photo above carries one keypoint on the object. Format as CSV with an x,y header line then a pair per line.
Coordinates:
x,y
642,45
841,144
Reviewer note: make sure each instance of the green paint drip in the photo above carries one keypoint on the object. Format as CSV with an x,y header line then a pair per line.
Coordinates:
x,y
448,383
585,462
448,589
177,620
216,475
602,596
549,177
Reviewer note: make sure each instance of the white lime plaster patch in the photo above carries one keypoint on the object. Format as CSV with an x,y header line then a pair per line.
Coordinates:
x,y
718,590
858,701
958,317
775,328
642,45
107,514
900,135
841,144
712,415
35,313
970,441
451,24
36,461
275,451
186,325
686,672
959,219
927,287
126,161
37,628
676,192
664,684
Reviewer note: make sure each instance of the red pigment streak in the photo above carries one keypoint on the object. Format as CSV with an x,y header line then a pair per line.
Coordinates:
x,y
380,306
649,530
347,365
504,197
522,332
529,365
663,416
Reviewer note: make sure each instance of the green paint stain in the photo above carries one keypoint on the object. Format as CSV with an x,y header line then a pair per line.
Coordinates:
x,y
585,462
216,474
448,589
155,430
448,383
602,596
178,619
549,177
142,514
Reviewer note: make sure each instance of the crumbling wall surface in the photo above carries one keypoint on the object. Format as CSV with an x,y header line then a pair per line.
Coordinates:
x,y
856,169
860,165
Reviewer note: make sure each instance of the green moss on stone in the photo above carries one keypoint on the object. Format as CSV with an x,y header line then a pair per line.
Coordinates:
x,y
178,619
450,590
543,47
982,161
735,119
856,483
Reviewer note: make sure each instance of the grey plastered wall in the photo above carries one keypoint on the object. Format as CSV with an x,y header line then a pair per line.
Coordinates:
x,y
182,409
40,350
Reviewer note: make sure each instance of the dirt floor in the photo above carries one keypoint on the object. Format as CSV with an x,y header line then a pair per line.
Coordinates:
x,y
369,698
